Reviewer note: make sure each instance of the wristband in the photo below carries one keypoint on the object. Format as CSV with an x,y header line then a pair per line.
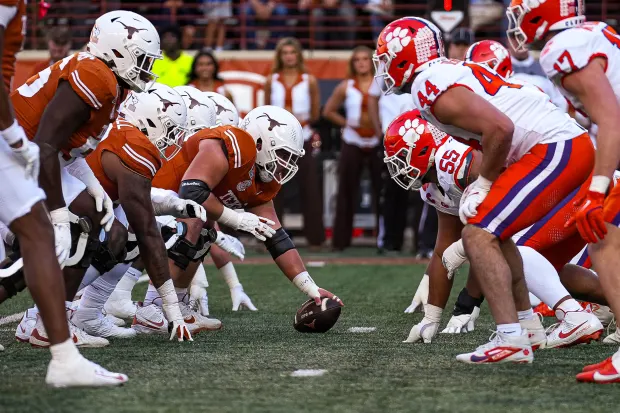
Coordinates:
x,y
60,216
600,184
13,134
170,301
229,217
484,183
306,284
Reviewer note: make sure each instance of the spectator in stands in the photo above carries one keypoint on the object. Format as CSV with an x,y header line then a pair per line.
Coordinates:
x,y
204,75
333,22
291,87
460,40
524,62
58,45
381,13
216,12
361,142
181,12
174,69
266,22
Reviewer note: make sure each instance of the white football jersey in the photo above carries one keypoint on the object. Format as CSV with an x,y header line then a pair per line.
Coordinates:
x,y
536,120
572,49
453,162
546,86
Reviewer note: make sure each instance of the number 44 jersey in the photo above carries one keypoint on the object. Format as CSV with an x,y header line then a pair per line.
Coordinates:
x,y
536,120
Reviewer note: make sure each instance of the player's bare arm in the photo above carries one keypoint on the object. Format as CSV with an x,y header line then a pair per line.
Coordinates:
x,y
449,229
330,111
64,115
593,90
464,109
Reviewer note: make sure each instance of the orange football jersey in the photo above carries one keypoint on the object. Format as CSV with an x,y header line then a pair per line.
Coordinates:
x,y
14,34
91,79
239,188
133,148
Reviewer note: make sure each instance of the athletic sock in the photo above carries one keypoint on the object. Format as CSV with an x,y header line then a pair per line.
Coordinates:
x,y
96,294
125,285
512,329
182,294
525,314
152,296
569,305
64,352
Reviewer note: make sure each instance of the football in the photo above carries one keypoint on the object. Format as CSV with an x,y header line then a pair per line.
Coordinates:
x,y
312,318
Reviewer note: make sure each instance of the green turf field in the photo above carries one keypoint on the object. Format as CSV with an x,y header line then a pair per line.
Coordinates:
x,y
246,366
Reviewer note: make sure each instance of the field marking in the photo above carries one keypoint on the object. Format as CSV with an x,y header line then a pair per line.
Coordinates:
x,y
361,329
308,373
13,318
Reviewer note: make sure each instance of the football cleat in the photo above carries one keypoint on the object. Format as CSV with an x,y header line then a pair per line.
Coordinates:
x,y
119,322
150,320
26,325
195,321
603,313
501,348
80,338
424,331
97,325
535,331
121,308
81,372
577,327
604,372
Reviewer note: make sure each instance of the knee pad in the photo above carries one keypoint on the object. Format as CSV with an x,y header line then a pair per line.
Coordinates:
x,y
14,284
133,252
182,252
83,243
104,258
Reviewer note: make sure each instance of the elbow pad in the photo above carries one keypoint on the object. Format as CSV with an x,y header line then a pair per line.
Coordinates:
x,y
194,190
279,243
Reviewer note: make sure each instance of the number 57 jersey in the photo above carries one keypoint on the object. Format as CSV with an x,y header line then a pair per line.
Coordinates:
x,y
536,120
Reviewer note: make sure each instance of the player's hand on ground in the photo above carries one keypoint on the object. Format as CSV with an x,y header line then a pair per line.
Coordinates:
x,y
589,217
178,329
424,331
231,245
240,299
463,323
420,297
323,293
472,197
62,233
454,257
27,154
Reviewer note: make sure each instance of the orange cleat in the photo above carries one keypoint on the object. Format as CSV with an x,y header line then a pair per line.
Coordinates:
x,y
606,373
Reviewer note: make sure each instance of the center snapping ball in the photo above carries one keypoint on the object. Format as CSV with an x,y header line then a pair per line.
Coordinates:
x,y
312,318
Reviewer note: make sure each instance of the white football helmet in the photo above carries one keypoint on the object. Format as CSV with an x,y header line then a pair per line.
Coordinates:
x,y
279,142
201,112
227,113
160,114
129,44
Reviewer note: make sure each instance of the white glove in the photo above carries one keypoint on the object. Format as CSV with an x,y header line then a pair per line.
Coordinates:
x,y
166,202
240,299
178,329
420,298
62,233
231,245
472,197
80,169
248,222
424,331
27,154
463,323
453,257
176,323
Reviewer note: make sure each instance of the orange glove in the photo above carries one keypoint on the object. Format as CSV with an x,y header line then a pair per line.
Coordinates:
x,y
589,217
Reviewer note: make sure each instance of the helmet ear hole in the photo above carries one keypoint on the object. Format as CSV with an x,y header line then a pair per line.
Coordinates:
x,y
118,54
259,144
423,151
535,20
151,123
402,64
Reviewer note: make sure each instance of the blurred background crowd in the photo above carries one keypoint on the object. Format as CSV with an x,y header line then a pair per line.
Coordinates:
x,y
342,195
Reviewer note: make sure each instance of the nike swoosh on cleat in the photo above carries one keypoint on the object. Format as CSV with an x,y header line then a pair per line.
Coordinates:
x,y
562,335
189,320
152,324
478,359
602,378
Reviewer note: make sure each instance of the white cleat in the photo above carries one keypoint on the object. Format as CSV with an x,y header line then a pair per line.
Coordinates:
x,y
613,338
26,325
603,313
97,325
80,338
501,349
577,327
535,331
195,321
121,308
424,331
119,322
81,372
150,320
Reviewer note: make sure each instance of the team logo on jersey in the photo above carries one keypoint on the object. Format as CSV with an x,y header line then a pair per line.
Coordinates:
x,y
219,108
411,131
272,122
130,29
243,185
167,103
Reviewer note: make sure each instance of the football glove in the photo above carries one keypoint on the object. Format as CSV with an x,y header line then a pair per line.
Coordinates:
x,y
420,298
26,153
178,329
248,222
231,245
463,323
240,299
424,331
62,233
453,257
589,217
473,196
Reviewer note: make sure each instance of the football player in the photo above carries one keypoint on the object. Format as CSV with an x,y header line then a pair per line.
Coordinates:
x,y
583,59
534,156
246,167
446,167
